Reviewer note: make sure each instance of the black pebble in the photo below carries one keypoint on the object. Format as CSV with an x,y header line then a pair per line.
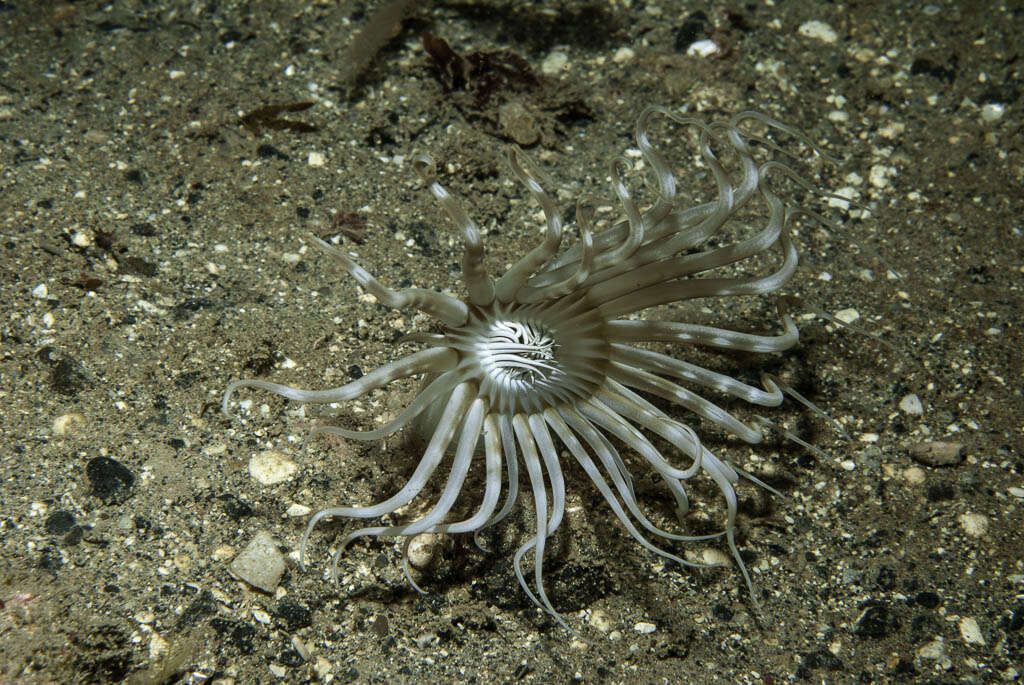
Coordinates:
x,y
293,615
59,522
111,481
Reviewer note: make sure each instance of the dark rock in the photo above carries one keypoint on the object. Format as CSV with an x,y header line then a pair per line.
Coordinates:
x,y
111,480
293,615
59,522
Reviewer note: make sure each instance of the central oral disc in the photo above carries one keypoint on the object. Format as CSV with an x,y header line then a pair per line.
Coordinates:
x,y
520,351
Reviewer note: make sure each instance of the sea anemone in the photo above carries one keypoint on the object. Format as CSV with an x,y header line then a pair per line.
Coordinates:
x,y
549,361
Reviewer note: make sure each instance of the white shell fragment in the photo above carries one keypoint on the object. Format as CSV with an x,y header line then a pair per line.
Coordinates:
x,y
911,404
271,467
260,564
971,632
974,525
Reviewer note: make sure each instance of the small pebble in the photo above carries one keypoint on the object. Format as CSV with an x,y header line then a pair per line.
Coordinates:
x,y
157,646
992,112
426,640
67,424
974,525
518,124
847,315
623,55
260,564
423,550
702,48
554,64
911,404
222,553
818,30
645,628
937,453
879,175
111,480
601,621
271,467
295,510
971,632
934,650
323,668
914,475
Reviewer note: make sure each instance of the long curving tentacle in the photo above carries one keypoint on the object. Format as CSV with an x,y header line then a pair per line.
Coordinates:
x,y
474,271
439,441
447,309
520,272
435,359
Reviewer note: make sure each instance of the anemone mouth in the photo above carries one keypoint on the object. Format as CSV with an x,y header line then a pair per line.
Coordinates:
x,y
526,358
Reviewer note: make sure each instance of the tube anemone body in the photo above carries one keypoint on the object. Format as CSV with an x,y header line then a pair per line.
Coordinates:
x,y
550,359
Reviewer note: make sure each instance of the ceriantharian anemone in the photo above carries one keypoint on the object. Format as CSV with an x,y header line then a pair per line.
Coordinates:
x,y
548,360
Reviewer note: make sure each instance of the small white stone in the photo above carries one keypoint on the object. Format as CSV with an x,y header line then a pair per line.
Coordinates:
x,y
818,30
292,258
601,621
323,668
847,315
879,175
1017,492
844,194
911,404
971,632
702,48
712,556
555,63
260,564
645,627
914,475
261,616
66,424
315,159
974,525
157,646
300,647
82,238
295,510
40,292
992,112
623,54
271,467
222,553
934,650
